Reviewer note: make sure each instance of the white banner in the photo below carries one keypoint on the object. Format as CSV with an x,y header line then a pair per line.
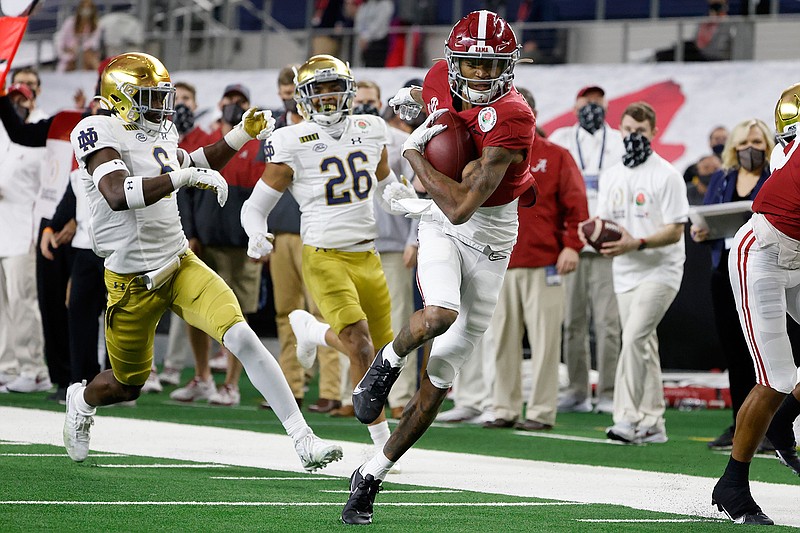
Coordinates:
x,y
690,99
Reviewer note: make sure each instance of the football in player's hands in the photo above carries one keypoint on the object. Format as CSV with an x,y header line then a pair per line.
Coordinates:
x,y
597,231
452,149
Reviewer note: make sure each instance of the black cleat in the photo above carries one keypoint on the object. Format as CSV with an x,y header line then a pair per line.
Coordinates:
x,y
371,393
789,458
737,503
358,509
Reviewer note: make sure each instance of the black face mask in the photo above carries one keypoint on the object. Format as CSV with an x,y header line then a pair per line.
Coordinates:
x,y
751,158
183,117
232,113
637,150
591,117
366,109
290,105
717,149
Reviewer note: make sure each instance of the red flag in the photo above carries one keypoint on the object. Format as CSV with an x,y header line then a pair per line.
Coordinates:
x,y
12,30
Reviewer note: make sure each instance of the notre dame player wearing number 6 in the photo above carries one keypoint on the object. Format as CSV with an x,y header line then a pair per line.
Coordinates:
x,y
332,162
132,168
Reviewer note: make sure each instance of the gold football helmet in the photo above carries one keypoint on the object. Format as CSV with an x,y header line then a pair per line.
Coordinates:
x,y
137,88
324,89
787,114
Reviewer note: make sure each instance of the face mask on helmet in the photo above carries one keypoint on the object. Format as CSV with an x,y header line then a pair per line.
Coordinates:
x,y
637,150
751,158
325,102
591,117
481,52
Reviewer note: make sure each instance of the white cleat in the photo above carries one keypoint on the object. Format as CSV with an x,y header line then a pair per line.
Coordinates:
x,y
315,453
77,426
152,384
301,322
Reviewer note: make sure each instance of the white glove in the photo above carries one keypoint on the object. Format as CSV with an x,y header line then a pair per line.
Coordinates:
x,y
404,105
259,245
420,136
412,207
201,178
255,124
398,190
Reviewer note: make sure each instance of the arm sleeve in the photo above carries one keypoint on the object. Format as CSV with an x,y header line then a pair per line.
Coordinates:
x,y
34,135
572,197
65,210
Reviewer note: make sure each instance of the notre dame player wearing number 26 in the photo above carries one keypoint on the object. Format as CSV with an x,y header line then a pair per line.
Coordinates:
x,y
132,168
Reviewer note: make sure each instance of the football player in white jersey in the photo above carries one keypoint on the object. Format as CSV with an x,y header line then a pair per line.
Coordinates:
x,y
333,162
134,166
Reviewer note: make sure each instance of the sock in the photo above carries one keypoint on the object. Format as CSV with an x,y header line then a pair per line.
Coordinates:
x,y
781,432
390,355
296,426
317,330
379,433
80,404
378,466
737,472
263,370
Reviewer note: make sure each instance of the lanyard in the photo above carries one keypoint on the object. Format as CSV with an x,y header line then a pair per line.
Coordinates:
x,y
580,153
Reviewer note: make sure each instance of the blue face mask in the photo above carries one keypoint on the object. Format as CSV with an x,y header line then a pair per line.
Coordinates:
x,y
591,117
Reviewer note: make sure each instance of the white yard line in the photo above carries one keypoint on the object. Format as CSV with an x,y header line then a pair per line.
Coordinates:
x,y
654,491
54,454
572,438
190,465
261,478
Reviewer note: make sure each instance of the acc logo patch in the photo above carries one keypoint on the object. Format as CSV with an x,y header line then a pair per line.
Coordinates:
x,y
320,147
141,137
487,118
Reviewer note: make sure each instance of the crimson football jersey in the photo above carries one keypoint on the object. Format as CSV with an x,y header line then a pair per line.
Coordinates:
x,y
506,123
779,197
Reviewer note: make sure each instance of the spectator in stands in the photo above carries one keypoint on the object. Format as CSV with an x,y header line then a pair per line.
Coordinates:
x,y
216,236
716,143
122,30
646,197
532,297
191,137
372,30
544,46
22,366
700,176
78,40
595,146
328,17
396,242
713,40
288,288
745,169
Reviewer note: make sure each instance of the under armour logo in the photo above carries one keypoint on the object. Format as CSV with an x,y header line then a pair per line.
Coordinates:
x,y
541,166
129,184
118,285
356,140
87,139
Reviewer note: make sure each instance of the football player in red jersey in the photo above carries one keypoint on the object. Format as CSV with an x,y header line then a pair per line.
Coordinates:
x,y
764,267
466,232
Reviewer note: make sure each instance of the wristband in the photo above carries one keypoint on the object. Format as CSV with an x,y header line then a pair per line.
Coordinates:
x,y
642,244
236,138
107,168
134,193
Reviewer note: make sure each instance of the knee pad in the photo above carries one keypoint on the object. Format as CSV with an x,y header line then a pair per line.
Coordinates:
x,y
441,373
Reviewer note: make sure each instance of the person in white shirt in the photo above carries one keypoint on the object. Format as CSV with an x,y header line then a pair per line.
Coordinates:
x,y
646,196
595,146
133,169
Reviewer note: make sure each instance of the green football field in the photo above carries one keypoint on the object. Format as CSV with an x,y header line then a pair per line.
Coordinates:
x,y
148,486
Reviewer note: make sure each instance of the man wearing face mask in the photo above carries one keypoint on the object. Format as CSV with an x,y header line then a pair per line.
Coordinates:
x,y
646,197
22,366
595,146
216,236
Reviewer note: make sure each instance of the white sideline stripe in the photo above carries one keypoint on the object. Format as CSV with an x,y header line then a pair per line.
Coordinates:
x,y
55,455
648,520
570,437
162,465
298,504
295,478
677,494
756,456
410,491
13,443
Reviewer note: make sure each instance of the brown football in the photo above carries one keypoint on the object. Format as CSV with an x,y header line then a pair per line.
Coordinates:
x,y
597,231
451,150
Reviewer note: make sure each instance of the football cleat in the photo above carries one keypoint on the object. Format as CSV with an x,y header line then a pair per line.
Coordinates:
x,y
301,321
737,503
371,393
77,426
789,458
622,432
358,509
315,453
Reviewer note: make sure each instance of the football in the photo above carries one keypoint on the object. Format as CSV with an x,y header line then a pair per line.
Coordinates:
x,y
597,231
451,150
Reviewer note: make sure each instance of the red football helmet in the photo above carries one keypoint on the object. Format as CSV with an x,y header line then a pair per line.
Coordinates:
x,y
484,36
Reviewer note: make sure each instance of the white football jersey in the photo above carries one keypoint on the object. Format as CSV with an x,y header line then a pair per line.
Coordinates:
x,y
334,179
133,240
